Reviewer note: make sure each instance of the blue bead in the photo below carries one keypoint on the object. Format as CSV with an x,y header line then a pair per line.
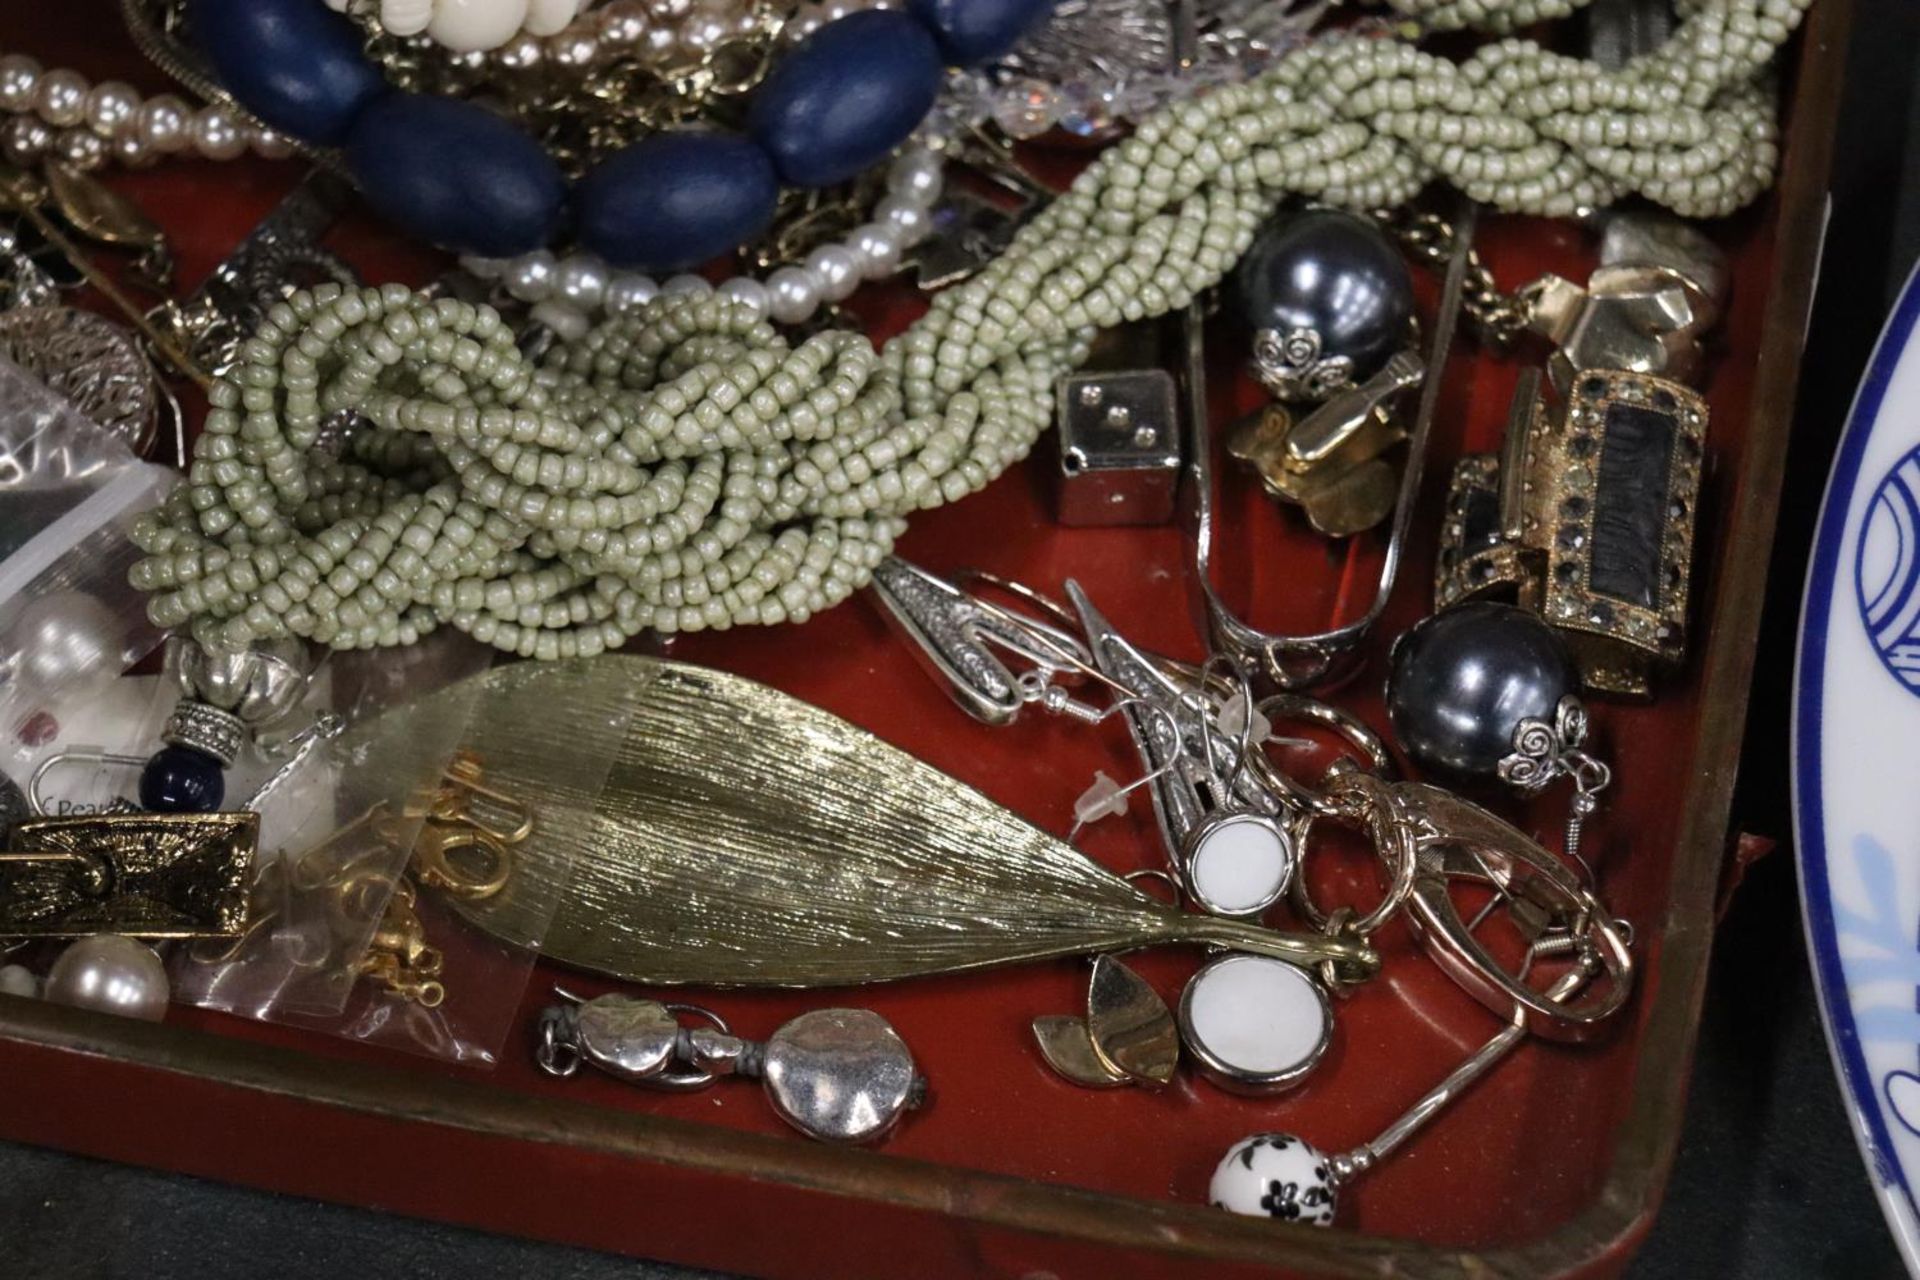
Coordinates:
x,y
456,174
846,96
676,199
971,31
182,780
294,63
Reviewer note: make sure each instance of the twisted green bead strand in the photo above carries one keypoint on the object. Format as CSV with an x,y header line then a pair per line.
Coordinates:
x,y
685,466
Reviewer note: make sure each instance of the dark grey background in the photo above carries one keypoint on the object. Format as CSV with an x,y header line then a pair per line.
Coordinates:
x,y
1768,1184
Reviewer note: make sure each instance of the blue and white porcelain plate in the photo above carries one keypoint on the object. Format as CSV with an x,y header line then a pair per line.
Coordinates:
x,y
1856,746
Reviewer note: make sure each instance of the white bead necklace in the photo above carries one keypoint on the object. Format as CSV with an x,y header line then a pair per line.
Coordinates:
x,y
651,33
470,26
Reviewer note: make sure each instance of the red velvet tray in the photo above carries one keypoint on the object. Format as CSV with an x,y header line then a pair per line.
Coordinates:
x,y
1554,1164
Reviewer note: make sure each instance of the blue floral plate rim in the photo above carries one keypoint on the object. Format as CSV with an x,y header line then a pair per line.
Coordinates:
x,y
1825,591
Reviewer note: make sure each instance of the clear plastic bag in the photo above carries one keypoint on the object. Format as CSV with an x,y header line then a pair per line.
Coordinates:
x,y
367,919
338,816
69,621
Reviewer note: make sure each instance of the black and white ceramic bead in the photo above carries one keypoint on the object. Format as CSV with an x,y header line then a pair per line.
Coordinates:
x,y
1329,300
1276,1175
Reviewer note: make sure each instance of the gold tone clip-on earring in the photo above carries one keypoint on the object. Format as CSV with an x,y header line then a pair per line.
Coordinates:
x,y
1586,514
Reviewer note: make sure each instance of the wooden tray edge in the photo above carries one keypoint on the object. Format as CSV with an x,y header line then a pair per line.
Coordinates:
x,y
1599,1239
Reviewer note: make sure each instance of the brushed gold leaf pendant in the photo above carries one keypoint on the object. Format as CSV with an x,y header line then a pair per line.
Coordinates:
x,y
745,838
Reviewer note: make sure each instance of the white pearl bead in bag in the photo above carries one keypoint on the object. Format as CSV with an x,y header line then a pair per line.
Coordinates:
x,y
64,641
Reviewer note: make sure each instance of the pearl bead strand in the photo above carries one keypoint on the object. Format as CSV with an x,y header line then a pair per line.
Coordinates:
x,y
808,17
58,114
568,295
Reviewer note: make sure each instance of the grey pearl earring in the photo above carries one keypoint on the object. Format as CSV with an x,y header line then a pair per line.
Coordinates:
x,y
1463,681
1329,299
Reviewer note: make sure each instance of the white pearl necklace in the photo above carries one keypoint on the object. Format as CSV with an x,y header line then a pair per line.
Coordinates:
x,y
471,26
59,114
568,295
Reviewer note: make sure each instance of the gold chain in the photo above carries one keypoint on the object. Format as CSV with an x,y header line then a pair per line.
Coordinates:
x,y
1498,317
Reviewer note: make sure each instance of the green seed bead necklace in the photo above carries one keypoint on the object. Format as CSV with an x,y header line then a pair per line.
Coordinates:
x,y
685,466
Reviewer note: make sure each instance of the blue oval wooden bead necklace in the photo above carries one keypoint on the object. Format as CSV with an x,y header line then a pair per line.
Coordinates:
x,y
457,174
680,193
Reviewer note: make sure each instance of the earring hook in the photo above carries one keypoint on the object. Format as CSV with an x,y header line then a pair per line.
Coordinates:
x,y
69,759
1153,708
